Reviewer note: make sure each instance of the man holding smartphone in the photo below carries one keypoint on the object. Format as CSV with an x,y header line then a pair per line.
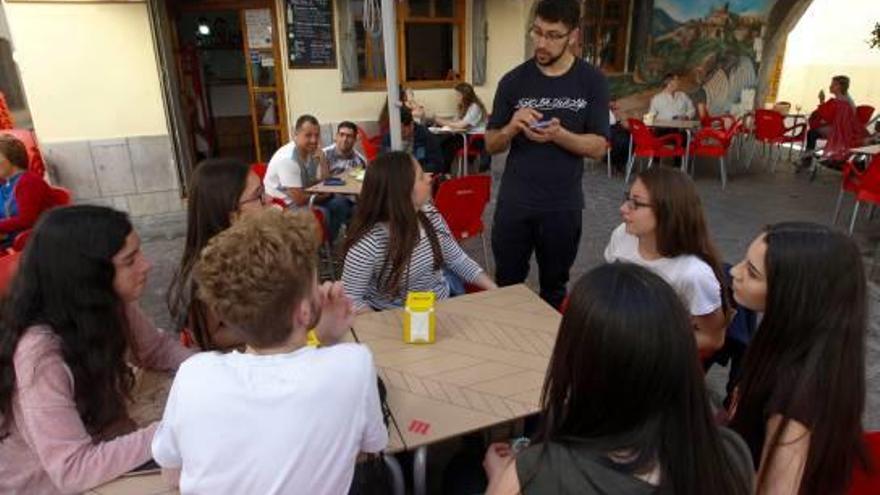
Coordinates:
x,y
551,112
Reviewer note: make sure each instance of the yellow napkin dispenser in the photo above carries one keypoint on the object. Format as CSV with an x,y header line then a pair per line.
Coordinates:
x,y
419,319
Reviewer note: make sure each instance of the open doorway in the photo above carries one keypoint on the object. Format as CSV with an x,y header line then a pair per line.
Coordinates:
x,y
226,57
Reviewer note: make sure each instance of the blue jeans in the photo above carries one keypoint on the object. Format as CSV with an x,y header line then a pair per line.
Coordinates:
x,y
455,283
337,212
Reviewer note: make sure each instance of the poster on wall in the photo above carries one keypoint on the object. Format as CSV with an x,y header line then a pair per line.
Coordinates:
x,y
714,45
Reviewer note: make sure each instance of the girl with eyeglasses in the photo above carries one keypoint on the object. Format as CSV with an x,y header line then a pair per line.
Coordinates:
x,y
223,190
664,229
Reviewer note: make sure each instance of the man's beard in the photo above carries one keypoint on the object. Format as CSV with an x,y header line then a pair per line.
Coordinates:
x,y
552,60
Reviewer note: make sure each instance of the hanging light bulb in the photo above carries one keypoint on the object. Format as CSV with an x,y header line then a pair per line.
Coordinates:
x,y
204,29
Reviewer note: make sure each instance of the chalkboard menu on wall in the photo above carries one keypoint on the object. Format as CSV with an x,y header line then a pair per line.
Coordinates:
x,y
310,39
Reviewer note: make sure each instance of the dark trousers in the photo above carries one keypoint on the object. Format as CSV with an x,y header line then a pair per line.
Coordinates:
x,y
816,134
552,235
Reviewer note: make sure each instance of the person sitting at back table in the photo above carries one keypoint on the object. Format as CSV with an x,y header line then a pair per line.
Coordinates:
x,y
281,417
624,408
301,164
222,191
821,119
71,324
471,116
664,229
399,242
419,142
341,155
670,103
24,195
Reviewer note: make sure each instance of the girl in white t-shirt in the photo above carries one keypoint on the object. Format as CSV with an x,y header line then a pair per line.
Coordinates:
x,y
664,229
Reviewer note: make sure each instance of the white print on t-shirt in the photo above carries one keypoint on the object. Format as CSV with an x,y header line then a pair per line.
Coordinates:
x,y
573,104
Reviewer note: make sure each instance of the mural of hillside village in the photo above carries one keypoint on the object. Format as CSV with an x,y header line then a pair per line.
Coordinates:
x,y
712,44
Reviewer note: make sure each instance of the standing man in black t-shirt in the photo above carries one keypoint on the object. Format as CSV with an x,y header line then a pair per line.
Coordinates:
x,y
551,111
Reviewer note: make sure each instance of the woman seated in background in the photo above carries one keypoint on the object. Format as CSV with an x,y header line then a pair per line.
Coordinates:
x,y
799,403
24,194
222,191
398,241
471,115
408,101
664,229
69,324
624,407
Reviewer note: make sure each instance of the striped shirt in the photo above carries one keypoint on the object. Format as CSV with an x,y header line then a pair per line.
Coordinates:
x,y
363,266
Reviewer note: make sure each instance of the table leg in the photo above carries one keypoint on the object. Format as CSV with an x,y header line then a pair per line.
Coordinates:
x,y
420,471
629,155
687,151
464,156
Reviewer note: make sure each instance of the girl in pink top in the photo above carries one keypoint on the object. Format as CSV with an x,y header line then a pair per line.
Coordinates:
x,y
70,324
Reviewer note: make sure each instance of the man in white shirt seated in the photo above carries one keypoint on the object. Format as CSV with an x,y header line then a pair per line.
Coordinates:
x,y
301,164
281,417
670,103
341,155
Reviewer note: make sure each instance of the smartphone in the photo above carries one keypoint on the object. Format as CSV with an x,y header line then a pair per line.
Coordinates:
x,y
334,181
540,124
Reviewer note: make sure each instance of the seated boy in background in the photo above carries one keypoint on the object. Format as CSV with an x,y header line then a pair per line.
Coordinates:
x,y
280,417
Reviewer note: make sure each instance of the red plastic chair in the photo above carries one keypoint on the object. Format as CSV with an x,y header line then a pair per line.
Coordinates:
x,y
770,130
473,150
370,145
462,201
259,169
850,181
714,143
35,158
864,113
868,190
8,267
60,197
868,483
647,145
718,122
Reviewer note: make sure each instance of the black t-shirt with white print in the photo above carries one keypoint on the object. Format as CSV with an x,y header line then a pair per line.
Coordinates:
x,y
544,176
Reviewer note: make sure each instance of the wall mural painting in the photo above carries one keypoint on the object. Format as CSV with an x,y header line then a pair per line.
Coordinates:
x,y
714,45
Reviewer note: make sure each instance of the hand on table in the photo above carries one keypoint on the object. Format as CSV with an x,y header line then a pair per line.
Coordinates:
x,y
498,456
337,313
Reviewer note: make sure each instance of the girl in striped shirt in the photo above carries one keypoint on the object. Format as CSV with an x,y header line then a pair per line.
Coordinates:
x,y
399,242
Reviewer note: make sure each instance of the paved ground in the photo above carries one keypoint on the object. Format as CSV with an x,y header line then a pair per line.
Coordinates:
x,y
753,199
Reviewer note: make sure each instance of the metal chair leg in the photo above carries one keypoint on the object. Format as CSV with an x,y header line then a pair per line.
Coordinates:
x,y
837,207
629,166
420,471
723,173
650,161
608,161
397,481
855,215
486,254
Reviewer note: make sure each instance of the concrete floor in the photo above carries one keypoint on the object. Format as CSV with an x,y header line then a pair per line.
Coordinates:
x,y
753,199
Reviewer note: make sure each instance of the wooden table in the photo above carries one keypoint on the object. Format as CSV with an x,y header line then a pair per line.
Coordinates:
x,y
150,394
486,367
352,186
873,149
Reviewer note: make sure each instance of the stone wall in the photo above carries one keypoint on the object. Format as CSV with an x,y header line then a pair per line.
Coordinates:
x,y
134,174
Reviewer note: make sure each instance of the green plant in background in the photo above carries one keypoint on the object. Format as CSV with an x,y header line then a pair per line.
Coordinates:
x,y
875,36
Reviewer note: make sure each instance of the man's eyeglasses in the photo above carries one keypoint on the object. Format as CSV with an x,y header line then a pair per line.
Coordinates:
x,y
632,203
553,36
259,195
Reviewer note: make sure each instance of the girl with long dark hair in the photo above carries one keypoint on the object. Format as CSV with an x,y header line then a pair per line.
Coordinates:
x,y
70,320
222,191
624,406
664,229
471,115
398,241
800,400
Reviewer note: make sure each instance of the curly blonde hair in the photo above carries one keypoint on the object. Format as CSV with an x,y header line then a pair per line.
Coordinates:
x,y
255,272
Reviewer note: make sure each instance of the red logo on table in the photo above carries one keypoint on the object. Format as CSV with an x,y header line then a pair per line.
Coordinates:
x,y
419,427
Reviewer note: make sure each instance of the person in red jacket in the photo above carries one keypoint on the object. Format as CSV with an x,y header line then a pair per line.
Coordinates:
x,y
24,195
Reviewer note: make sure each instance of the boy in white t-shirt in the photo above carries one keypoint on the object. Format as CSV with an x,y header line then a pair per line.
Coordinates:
x,y
281,417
